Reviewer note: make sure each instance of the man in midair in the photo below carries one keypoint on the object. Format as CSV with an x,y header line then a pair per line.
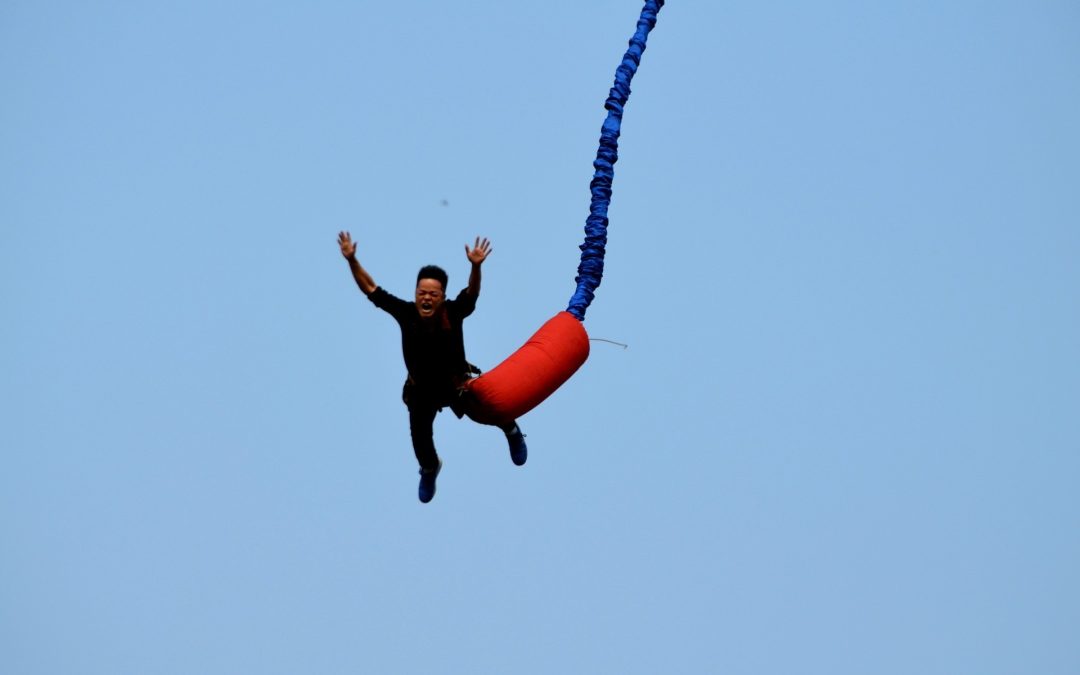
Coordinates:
x,y
433,346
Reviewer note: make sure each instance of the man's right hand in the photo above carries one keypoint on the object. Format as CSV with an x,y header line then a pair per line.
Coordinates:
x,y
348,248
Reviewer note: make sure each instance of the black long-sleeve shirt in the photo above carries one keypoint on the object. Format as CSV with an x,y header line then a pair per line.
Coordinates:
x,y
434,350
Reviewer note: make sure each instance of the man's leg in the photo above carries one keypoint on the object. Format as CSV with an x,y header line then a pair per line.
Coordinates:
x,y
518,450
466,405
421,421
421,427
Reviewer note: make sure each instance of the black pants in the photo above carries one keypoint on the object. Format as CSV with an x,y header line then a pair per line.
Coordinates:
x,y
423,407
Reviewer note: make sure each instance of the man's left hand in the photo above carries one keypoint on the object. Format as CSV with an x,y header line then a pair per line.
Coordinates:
x,y
480,251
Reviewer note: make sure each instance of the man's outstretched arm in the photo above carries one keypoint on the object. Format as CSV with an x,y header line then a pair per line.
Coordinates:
x,y
477,255
348,249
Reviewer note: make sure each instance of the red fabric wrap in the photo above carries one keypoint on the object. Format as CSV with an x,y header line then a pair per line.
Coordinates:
x,y
532,373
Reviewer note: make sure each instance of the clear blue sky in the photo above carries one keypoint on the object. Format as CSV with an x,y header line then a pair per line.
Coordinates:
x,y
844,439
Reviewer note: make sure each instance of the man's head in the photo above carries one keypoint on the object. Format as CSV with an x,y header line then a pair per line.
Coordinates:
x,y
430,290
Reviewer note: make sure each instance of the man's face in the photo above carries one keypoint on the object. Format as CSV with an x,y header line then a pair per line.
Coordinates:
x,y
429,297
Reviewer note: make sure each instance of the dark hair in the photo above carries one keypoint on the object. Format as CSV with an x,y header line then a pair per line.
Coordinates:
x,y
433,272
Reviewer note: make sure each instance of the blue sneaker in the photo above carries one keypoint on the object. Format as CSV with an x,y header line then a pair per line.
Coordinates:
x,y
427,483
519,452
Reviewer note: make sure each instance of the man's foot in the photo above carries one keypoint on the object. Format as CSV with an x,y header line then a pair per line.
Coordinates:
x,y
427,483
518,451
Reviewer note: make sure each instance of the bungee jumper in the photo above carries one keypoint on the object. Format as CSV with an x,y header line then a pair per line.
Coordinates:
x,y
431,326
433,345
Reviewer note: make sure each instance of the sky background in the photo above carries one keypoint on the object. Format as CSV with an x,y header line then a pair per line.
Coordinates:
x,y
844,439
